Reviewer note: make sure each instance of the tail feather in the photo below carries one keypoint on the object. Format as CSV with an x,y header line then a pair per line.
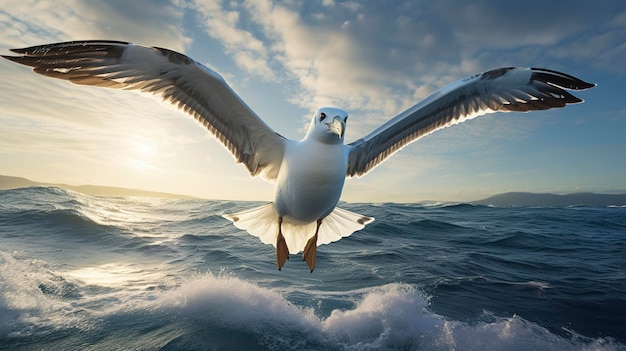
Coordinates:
x,y
262,222
340,224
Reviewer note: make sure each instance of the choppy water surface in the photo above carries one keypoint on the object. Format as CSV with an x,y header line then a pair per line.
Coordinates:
x,y
106,273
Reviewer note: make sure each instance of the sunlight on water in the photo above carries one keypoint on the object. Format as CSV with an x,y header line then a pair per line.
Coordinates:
x,y
131,213
117,275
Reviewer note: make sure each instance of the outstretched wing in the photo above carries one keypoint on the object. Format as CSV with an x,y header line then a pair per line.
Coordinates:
x,y
178,79
503,89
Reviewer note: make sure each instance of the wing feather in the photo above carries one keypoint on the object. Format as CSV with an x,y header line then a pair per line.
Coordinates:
x,y
504,89
178,79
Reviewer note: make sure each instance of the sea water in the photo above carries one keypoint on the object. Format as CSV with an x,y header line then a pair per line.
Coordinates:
x,y
79,272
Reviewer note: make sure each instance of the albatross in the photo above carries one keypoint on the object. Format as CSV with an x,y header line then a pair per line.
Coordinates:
x,y
308,174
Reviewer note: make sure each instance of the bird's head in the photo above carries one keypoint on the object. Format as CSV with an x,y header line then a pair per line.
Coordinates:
x,y
328,125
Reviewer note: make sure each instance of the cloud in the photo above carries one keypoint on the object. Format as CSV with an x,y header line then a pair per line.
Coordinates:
x,y
31,22
316,53
376,60
602,48
370,58
493,24
221,23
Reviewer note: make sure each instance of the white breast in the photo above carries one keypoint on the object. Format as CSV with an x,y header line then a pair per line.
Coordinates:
x,y
310,180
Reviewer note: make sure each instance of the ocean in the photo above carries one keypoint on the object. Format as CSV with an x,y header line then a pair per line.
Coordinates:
x,y
80,272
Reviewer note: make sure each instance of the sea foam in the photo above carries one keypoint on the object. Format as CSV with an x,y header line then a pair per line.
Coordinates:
x,y
393,316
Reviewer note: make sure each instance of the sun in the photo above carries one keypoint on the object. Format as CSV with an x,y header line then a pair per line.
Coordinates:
x,y
141,155
145,150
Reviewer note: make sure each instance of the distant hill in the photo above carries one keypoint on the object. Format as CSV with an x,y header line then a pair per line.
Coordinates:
x,y
8,182
532,199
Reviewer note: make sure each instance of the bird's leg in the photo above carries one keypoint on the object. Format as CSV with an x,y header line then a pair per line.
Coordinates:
x,y
282,252
310,250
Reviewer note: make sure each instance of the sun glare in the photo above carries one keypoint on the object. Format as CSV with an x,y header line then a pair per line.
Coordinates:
x,y
145,149
141,155
116,275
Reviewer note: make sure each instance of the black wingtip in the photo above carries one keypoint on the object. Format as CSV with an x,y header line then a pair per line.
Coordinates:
x,y
28,50
19,51
62,47
12,58
560,79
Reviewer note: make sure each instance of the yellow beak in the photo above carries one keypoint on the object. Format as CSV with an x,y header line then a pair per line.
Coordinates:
x,y
336,126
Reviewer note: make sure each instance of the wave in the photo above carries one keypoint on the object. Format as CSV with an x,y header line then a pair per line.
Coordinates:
x,y
393,316
226,312
434,225
60,226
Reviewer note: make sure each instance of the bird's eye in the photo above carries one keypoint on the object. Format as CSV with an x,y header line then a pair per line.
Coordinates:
x,y
322,116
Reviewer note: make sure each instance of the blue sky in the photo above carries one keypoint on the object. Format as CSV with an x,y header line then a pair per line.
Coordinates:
x,y
287,58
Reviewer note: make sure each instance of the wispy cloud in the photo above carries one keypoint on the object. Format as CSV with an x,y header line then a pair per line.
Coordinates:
x,y
224,25
31,22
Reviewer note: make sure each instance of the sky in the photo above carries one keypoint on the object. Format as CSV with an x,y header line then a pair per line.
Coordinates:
x,y
287,58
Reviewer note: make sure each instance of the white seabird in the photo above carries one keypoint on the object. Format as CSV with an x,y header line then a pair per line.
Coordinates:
x,y
309,174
